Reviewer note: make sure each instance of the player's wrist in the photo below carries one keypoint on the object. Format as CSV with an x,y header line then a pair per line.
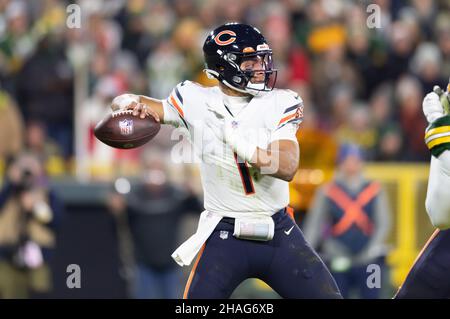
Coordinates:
x,y
432,117
142,99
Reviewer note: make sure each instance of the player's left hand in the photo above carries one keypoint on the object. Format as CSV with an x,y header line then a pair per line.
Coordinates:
x,y
432,107
227,130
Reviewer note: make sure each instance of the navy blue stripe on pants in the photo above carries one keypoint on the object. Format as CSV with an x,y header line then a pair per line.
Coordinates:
x,y
287,263
429,278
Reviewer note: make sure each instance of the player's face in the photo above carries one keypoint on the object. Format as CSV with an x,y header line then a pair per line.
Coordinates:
x,y
352,165
257,65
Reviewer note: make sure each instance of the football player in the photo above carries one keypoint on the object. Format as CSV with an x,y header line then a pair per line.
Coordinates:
x,y
429,276
244,131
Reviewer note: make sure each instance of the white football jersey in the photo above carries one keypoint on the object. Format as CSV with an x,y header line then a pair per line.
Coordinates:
x,y
229,184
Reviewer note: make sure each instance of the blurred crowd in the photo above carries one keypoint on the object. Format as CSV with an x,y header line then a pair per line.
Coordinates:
x,y
360,84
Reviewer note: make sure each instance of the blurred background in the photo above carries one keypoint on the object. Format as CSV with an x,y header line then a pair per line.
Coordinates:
x,y
66,198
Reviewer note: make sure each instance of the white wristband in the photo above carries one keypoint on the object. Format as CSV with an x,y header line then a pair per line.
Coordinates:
x,y
434,116
121,102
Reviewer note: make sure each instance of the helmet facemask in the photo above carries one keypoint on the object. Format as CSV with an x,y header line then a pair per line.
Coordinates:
x,y
246,72
257,68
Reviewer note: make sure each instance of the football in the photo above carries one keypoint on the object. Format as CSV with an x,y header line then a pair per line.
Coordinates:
x,y
122,130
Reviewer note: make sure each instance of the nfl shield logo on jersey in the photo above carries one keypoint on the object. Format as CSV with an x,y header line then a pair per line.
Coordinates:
x,y
223,234
126,127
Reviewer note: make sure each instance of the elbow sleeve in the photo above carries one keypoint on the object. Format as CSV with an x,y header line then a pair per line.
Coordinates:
x,y
439,212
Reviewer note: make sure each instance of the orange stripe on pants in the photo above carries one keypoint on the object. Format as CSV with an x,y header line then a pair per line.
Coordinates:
x,y
290,212
425,247
436,232
192,274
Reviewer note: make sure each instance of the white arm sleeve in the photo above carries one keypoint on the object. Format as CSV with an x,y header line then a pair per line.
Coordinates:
x,y
438,194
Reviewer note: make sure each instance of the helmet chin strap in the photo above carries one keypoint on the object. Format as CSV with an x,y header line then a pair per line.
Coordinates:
x,y
251,88
235,88
254,89
211,74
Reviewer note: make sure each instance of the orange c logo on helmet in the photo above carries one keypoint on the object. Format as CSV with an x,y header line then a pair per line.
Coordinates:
x,y
225,42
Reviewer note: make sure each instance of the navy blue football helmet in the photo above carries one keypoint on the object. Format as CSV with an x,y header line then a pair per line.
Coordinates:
x,y
231,44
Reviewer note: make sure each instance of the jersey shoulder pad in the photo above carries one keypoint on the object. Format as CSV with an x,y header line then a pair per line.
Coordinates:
x,y
286,98
190,88
184,90
289,106
185,96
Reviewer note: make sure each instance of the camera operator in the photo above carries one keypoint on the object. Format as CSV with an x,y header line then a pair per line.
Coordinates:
x,y
28,215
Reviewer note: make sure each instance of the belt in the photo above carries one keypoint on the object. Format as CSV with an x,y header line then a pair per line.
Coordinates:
x,y
277,215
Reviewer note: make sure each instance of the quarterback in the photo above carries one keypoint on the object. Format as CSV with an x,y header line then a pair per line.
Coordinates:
x,y
249,153
429,276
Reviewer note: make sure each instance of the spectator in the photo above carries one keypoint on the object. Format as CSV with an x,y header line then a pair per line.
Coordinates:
x,y
328,70
164,65
16,44
292,61
402,44
359,130
389,147
381,106
361,51
424,11
29,214
45,91
426,65
143,27
155,209
186,36
45,149
351,213
11,127
341,102
443,39
409,99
